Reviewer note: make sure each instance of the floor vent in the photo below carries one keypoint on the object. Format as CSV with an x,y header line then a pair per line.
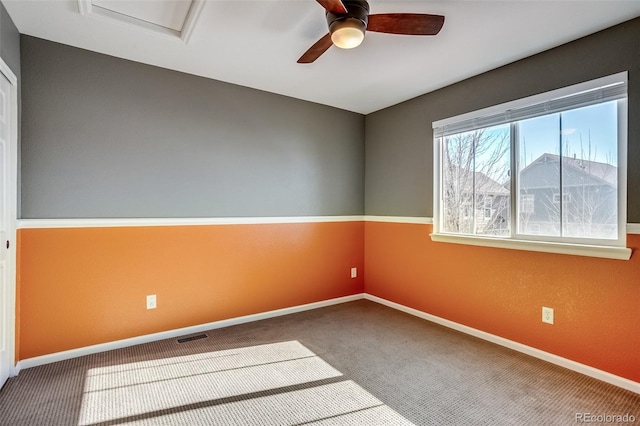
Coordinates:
x,y
190,338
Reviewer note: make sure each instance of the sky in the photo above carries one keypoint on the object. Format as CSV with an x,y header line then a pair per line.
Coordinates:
x,y
598,123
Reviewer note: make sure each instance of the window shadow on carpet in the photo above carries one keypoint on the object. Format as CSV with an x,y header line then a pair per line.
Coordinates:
x,y
278,383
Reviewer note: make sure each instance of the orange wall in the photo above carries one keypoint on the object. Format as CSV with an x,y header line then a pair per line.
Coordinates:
x,y
499,291
85,286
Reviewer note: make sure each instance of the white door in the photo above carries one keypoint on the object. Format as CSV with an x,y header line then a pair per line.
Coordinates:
x,y
8,165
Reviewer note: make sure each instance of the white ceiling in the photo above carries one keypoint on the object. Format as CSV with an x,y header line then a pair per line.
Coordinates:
x,y
256,43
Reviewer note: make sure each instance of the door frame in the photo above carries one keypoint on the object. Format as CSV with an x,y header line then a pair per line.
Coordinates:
x,y
10,309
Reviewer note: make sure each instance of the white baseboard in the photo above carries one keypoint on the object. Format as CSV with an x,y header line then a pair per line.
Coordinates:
x,y
519,347
170,334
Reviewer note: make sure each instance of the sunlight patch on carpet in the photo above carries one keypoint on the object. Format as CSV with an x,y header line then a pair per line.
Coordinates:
x,y
245,385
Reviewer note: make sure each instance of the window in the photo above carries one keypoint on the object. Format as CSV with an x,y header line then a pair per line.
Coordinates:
x,y
488,206
527,203
566,198
502,172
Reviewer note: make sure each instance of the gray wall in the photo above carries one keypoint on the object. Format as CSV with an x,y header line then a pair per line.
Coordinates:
x,y
106,137
399,141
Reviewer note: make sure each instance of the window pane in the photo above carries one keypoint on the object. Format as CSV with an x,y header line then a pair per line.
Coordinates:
x,y
457,184
538,182
573,195
475,189
589,172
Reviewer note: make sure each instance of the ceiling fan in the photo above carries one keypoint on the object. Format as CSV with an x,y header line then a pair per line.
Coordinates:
x,y
349,19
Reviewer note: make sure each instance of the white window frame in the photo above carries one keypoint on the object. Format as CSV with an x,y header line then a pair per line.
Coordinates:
x,y
614,249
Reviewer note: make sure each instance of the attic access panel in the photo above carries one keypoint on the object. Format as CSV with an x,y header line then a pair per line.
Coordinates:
x,y
174,18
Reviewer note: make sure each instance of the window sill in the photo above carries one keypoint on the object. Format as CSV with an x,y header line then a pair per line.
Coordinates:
x,y
606,252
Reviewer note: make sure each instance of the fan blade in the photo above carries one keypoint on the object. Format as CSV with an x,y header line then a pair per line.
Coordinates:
x,y
316,50
405,23
334,6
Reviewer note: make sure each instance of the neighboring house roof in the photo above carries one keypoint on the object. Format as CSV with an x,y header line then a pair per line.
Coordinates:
x,y
483,183
544,173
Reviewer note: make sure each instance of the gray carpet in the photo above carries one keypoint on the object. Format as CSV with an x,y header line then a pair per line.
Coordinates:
x,y
358,363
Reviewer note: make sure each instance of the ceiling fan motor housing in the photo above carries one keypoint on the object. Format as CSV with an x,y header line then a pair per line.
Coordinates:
x,y
356,10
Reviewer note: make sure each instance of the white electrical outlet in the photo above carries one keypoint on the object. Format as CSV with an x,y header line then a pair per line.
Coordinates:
x,y
547,315
151,301
354,272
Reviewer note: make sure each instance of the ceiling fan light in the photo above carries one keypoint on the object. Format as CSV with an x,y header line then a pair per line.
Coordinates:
x,y
347,33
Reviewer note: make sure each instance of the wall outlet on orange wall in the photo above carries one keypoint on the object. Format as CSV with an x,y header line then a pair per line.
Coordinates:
x,y
547,315
151,301
354,272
